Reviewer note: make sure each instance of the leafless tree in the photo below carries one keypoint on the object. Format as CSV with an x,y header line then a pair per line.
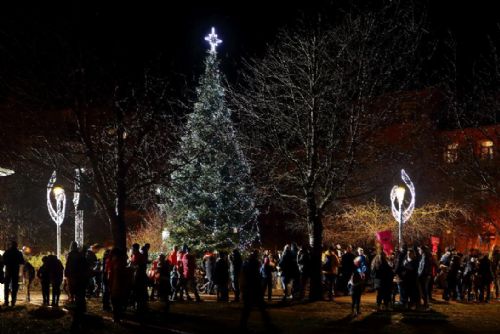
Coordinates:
x,y
358,224
121,140
471,144
308,109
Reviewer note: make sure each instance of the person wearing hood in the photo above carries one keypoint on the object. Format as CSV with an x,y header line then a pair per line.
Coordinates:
x,y
330,267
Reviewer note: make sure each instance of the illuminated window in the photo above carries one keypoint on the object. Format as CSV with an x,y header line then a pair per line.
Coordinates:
x,y
451,153
486,149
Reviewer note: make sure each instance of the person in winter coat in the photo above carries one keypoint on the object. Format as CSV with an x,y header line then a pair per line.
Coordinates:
x,y
77,274
28,278
485,278
410,278
120,281
424,275
399,270
446,257
106,295
175,278
356,286
92,263
188,277
221,277
266,274
235,263
382,276
172,257
43,275
153,277
56,278
163,273
251,292
12,259
330,266
138,262
452,290
346,269
304,262
180,269
209,260
289,270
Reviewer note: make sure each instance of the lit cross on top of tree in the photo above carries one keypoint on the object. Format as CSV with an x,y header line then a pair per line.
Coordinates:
x,y
213,40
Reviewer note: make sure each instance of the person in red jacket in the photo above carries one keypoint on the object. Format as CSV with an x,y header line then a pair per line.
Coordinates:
x,y
172,257
188,277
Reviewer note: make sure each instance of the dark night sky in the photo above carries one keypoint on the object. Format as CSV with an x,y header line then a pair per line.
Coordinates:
x,y
127,36
122,38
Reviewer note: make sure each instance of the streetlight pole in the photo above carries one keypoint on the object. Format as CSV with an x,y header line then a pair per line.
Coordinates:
x,y
59,212
400,195
6,172
78,211
60,204
400,213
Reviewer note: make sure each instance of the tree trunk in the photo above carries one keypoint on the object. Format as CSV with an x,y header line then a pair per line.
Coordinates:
x,y
119,232
316,240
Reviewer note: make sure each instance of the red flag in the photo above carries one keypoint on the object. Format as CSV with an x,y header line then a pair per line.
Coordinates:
x,y
385,239
435,244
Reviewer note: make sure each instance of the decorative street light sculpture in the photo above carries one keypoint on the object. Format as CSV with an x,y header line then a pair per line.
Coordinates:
x,y
78,212
57,215
5,172
400,213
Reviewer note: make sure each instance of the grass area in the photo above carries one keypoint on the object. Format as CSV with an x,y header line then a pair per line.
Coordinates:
x,y
212,317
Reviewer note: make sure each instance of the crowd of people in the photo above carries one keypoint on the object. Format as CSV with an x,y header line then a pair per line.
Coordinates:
x,y
405,278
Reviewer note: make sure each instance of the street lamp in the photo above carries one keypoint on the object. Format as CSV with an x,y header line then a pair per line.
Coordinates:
x,y
78,210
5,172
402,214
57,214
400,195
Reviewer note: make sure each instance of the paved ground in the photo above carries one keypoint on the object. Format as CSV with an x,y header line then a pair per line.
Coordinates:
x,y
212,317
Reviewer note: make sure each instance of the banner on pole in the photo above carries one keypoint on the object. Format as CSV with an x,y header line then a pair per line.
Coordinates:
x,y
435,244
385,239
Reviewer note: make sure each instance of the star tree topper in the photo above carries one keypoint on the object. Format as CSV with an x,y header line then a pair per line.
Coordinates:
x,y
213,40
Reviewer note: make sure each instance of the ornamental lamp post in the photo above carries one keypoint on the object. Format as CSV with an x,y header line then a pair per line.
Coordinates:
x,y
6,172
60,201
58,213
400,195
78,210
402,214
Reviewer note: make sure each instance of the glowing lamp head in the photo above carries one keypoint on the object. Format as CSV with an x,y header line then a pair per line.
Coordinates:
x,y
26,250
58,191
400,194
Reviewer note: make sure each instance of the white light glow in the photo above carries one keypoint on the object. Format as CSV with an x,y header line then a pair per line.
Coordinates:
x,y
407,212
213,40
5,172
78,213
400,194
59,212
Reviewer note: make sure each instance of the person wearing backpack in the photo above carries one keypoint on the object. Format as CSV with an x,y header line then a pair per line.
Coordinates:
x,y
330,267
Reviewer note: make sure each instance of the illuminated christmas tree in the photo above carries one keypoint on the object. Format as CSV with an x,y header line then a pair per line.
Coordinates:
x,y
211,198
